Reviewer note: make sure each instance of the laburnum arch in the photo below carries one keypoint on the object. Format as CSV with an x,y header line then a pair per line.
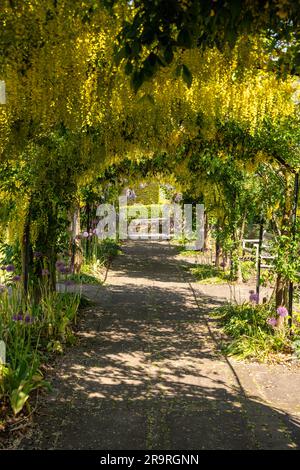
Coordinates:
x,y
72,120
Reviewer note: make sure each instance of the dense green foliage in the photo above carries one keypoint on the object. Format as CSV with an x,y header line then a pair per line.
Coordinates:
x,y
154,31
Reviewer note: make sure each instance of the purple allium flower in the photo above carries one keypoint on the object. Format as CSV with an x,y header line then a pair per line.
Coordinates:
x,y
282,312
272,321
28,319
16,278
37,254
10,268
62,269
130,194
253,297
45,272
94,231
85,234
20,316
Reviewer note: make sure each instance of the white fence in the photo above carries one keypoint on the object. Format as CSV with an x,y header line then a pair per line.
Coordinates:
x,y
254,247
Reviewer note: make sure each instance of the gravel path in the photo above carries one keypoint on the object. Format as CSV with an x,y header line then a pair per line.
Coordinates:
x,y
146,373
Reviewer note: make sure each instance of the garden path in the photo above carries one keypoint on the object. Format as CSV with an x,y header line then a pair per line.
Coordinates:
x,y
146,372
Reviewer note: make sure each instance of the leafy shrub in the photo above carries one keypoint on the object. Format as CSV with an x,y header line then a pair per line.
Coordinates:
x,y
58,312
29,330
296,347
267,277
21,379
32,330
99,252
248,270
257,347
250,335
89,274
107,250
11,254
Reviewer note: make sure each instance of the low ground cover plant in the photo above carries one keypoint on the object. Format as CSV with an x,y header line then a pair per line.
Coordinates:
x,y
258,331
31,331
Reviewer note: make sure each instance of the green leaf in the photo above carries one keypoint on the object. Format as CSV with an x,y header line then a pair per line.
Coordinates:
x,y
148,35
178,70
119,55
149,65
128,68
18,399
127,50
235,9
187,76
184,39
147,98
136,48
137,80
152,59
168,54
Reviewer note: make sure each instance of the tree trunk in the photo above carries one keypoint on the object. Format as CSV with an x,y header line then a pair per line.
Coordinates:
x,y
26,253
218,253
281,293
218,246
281,290
206,244
236,266
76,259
239,276
46,244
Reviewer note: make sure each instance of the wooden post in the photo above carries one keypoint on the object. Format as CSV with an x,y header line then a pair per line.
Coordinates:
x,y
261,232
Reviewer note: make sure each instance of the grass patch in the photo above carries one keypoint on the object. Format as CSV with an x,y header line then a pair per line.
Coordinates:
x,y
32,333
209,274
93,271
89,274
187,253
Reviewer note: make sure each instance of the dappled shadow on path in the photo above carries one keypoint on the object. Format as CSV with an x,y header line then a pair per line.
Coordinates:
x,y
146,373
188,417
144,261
